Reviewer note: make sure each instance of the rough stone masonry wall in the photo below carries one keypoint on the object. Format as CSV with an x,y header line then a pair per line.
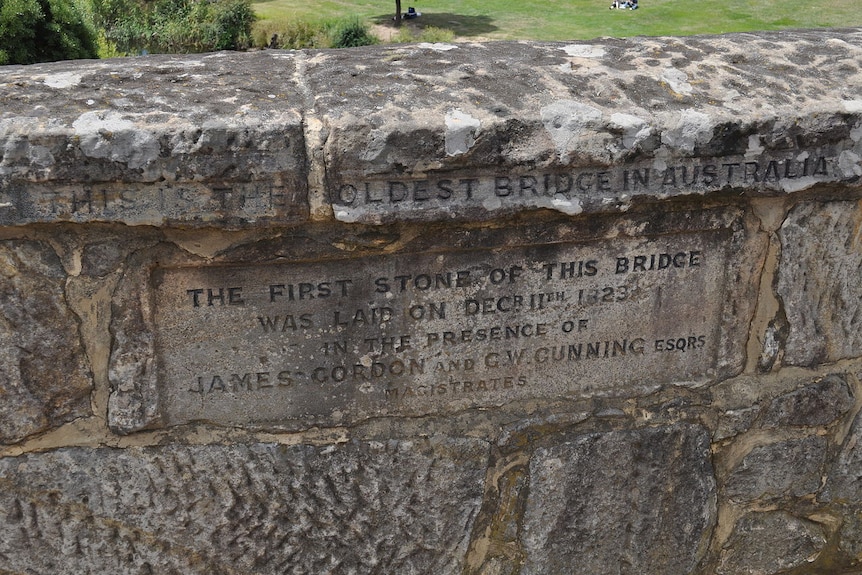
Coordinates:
x,y
529,308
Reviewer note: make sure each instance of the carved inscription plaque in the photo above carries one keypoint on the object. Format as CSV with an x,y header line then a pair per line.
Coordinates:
x,y
409,334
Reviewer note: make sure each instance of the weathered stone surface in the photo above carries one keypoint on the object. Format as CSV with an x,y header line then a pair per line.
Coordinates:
x,y
791,467
132,372
44,375
428,131
818,281
819,403
335,341
100,258
256,185
640,501
388,507
414,334
844,480
472,134
735,421
770,543
220,143
850,533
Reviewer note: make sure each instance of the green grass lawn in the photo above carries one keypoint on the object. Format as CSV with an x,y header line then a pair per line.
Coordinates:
x,y
575,19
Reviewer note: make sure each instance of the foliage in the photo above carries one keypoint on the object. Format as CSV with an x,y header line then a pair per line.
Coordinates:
x,y
430,34
175,26
291,34
352,33
44,31
295,34
232,24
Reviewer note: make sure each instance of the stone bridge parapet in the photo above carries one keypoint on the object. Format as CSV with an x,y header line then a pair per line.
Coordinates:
x,y
475,308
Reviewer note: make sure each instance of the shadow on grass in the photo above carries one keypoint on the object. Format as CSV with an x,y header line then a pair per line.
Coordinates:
x,y
459,24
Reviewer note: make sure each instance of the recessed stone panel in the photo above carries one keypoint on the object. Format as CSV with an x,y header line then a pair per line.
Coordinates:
x,y
409,334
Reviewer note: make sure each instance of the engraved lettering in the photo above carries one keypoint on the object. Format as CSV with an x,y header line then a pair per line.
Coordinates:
x,y
657,262
285,323
419,333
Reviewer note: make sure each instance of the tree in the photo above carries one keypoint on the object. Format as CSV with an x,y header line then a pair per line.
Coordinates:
x,y
398,12
43,31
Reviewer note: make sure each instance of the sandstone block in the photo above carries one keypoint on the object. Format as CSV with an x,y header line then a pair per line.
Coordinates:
x,y
387,507
770,543
850,534
843,480
818,282
790,467
221,140
559,131
819,403
639,501
45,378
735,421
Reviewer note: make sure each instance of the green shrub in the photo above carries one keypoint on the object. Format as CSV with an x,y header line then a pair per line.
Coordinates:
x,y
231,24
295,34
291,34
106,48
44,31
405,35
352,33
433,34
430,34
175,26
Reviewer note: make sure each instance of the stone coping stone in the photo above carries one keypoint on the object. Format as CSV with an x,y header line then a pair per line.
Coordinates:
x,y
428,132
187,140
